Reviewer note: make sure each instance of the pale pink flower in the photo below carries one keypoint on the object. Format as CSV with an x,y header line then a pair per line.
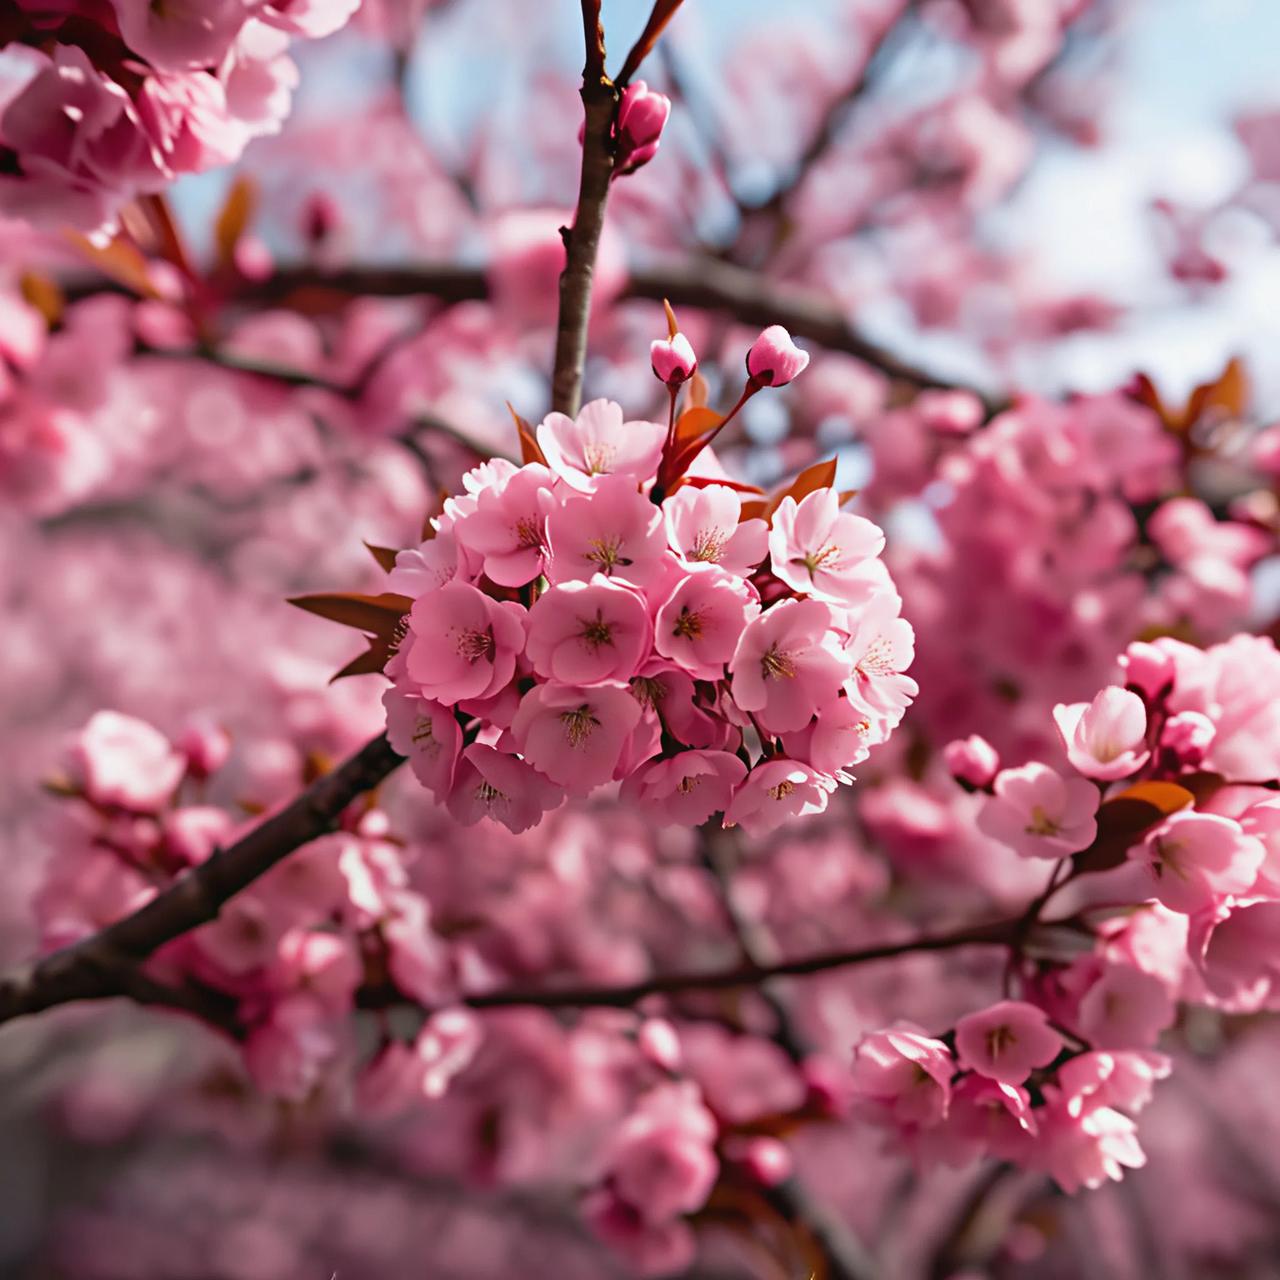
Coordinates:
x,y
903,1076
1196,858
507,530
259,78
428,734
839,738
180,37
1123,1080
972,761
615,531
586,632
1185,741
685,789
1105,738
1262,821
700,623
881,646
673,360
187,117
206,745
819,550
1126,1009
1007,1041
788,664
575,735
1040,814
775,791
426,567
774,360
287,1052
465,644
119,761
193,833
599,444
493,784
1086,1150
987,1117
1236,950
703,527
311,18
662,1160
446,1046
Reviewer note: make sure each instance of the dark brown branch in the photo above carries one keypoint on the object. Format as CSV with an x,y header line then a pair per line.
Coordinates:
x,y
704,283
662,13
998,933
582,240
107,964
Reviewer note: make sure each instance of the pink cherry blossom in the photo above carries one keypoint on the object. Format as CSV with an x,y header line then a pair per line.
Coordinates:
x,y
587,632
614,531
428,734
507,530
686,789
1126,1009
492,784
788,664
1196,858
903,1077
699,624
1007,1041
118,761
776,791
1105,738
573,734
1235,947
181,37
599,444
464,644
881,646
642,115
1149,668
426,567
1040,814
703,527
774,360
819,550
1086,1150
1122,1080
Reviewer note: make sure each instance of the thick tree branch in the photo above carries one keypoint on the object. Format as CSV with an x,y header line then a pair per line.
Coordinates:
x,y
107,964
600,100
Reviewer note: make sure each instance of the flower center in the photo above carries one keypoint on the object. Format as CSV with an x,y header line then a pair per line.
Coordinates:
x,y
828,557
648,691
528,533
878,659
598,458
596,632
475,645
998,1040
1041,824
708,545
783,789
687,785
489,795
579,725
776,665
688,625
607,553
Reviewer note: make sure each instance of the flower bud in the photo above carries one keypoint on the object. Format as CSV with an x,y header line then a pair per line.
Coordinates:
x,y
658,1042
1185,740
774,360
973,762
1148,668
673,359
206,746
764,1160
642,114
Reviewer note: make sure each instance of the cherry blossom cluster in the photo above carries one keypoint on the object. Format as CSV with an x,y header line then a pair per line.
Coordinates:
x,y
281,964
604,614
1161,815
116,99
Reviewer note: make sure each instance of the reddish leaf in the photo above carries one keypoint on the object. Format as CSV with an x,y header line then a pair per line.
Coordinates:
x,y
1227,395
705,482
530,451
1125,818
368,663
44,294
385,556
119,260
694,423
821,475
378,615
696,390
234,218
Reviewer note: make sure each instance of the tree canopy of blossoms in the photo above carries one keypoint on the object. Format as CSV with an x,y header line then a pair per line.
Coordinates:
x,y
788,873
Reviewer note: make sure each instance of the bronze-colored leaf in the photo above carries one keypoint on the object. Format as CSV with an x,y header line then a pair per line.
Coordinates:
x,y
530,450
385,556
234,218
1125,818
119,260
42,293
822,475
378,615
